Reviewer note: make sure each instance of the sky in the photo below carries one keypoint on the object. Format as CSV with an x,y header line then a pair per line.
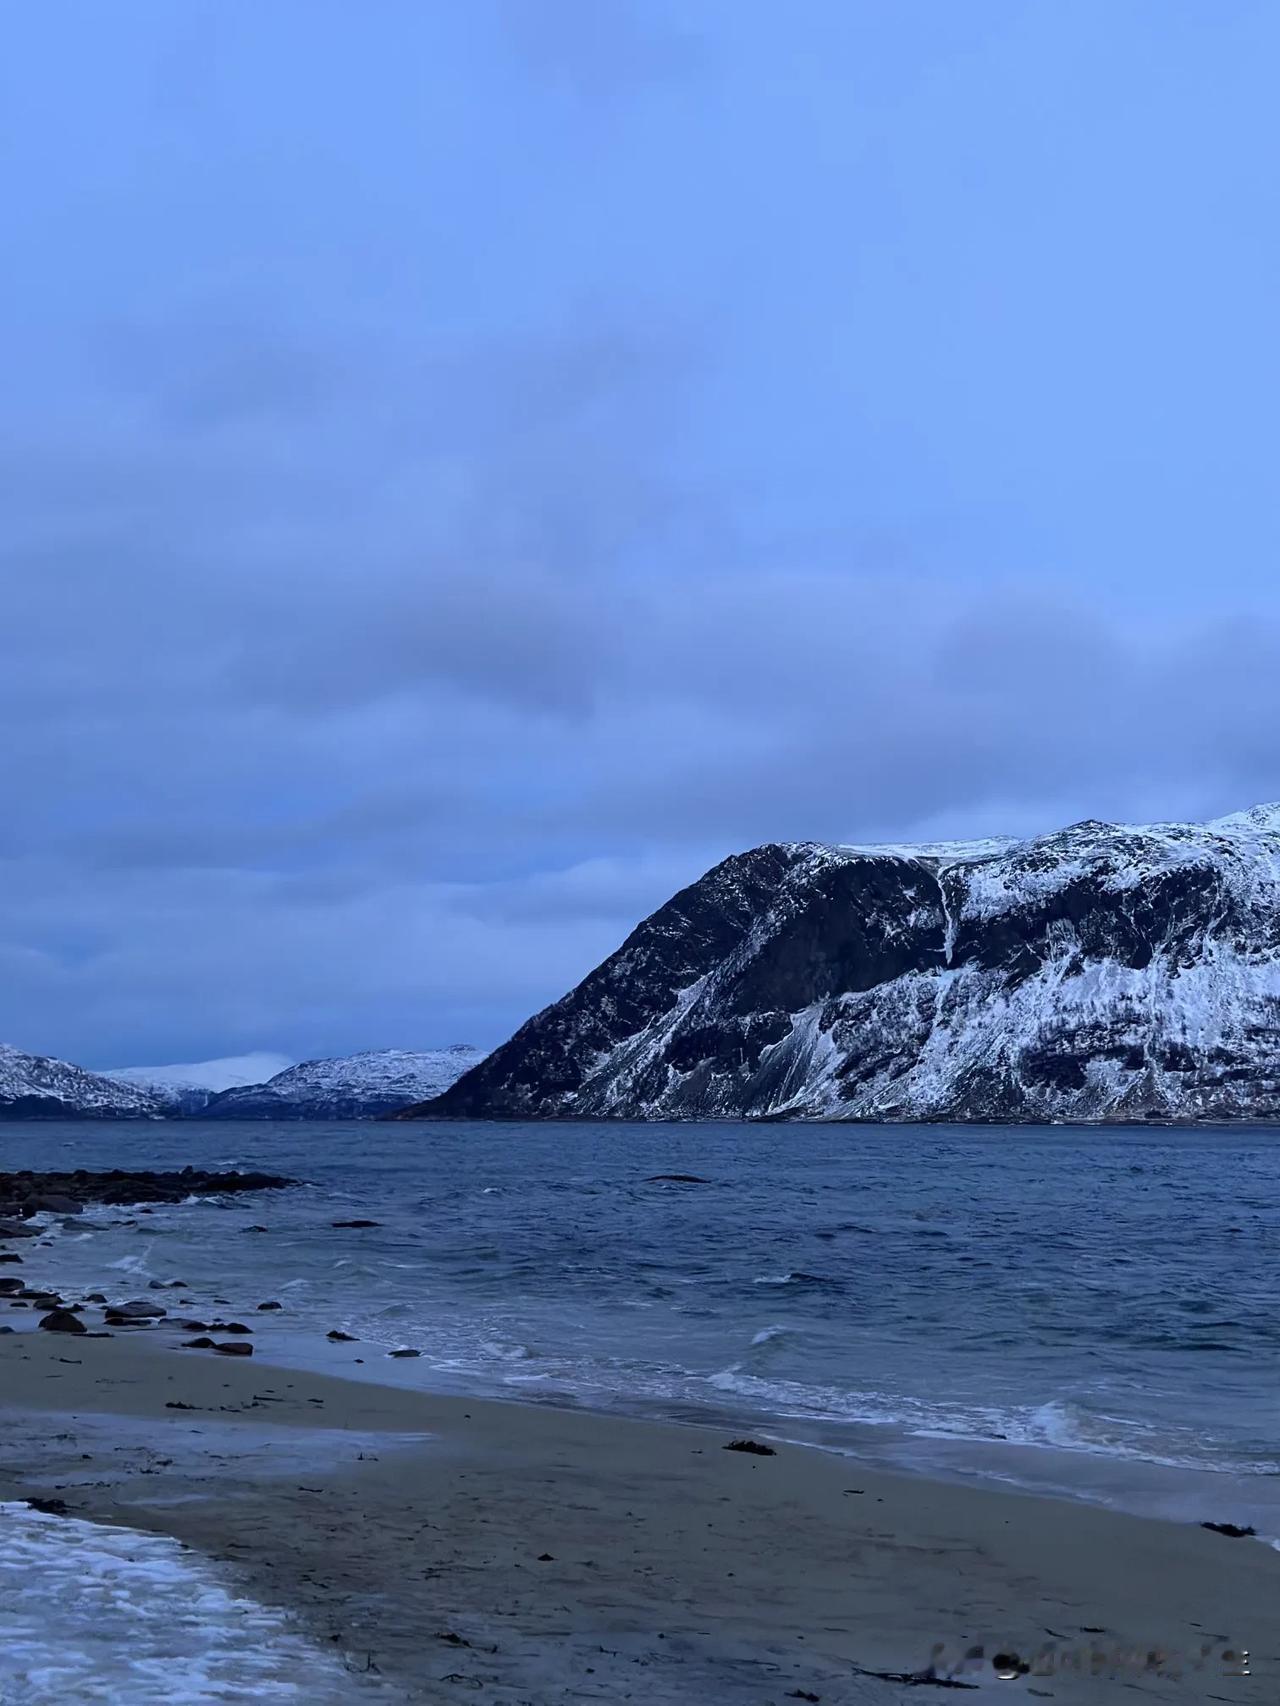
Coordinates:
x,y
468,468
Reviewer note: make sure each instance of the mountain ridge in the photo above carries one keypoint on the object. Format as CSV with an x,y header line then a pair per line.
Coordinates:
x,y
1101,972
358,1086
354,1086
38,1086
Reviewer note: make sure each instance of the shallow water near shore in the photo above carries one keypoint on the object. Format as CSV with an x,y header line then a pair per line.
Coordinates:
x,y
1089,1312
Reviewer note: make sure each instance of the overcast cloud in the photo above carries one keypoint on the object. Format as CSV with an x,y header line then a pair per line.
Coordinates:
x,y
467,469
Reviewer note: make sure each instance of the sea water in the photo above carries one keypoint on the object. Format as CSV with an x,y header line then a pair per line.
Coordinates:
x,y
1094,1312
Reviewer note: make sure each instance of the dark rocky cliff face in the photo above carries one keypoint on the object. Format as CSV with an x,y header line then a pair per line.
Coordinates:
x,y
1104,972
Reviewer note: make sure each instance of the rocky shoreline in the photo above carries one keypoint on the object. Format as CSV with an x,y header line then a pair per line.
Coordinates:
x,y
25,1193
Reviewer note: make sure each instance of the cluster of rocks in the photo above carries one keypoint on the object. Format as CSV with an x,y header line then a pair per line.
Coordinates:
x,y
65,1317
26,1193
23,1195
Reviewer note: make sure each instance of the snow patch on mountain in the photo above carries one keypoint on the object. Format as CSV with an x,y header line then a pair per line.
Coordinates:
x,y
190,1087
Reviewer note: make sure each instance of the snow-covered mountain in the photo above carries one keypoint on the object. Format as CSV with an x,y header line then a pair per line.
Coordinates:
x,y
188,1089
1105,972
33,1086
354,1086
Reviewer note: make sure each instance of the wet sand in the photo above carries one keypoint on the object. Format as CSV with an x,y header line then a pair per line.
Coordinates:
x,y
462,1548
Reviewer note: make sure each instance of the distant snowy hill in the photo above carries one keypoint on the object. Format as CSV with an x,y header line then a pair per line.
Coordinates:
x,y
354,1086
1105,972
34,1086
187,1089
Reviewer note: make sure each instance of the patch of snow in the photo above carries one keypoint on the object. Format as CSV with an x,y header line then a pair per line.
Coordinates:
x,y
96,1613
225,1074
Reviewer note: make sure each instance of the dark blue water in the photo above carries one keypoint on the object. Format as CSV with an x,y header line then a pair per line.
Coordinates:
x,y
1097,1310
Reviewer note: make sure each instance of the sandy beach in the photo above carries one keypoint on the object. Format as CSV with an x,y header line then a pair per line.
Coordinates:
x,y
452,1548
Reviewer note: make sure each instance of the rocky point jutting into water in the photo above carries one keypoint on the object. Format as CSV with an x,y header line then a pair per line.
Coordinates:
x,y
1103,972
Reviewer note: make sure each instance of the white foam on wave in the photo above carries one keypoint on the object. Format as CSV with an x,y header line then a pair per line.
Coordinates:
x,y
111,1615
767,1335
131,1264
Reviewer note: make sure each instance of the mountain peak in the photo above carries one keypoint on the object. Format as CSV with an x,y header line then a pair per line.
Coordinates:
x,y
1104,971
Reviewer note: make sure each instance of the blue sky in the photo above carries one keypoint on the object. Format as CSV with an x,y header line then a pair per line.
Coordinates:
x,y
467,468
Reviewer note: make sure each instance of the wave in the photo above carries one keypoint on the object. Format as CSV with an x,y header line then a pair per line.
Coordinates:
x,y
131,1264
770,1335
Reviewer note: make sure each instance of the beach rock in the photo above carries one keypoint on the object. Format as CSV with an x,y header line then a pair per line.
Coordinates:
x,y
406,1353
253,1229
9,1256
62,1321
194,1326
10,1287
676,1179
95,1297
271,1306
7,1329
139,1309
168,1285
1232,1530
54,1204
237,1348
752,1446
203,1344
339,1337
229,1327
49,1507
15,1229
356,1224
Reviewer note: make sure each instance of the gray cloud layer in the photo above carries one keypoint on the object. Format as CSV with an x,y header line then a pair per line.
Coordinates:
x,y
365,675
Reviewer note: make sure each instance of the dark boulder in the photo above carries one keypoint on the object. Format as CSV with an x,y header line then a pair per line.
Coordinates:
x,y
236,1348
62,1321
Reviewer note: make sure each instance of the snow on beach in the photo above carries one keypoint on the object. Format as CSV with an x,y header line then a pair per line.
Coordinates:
x,y
94,1613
